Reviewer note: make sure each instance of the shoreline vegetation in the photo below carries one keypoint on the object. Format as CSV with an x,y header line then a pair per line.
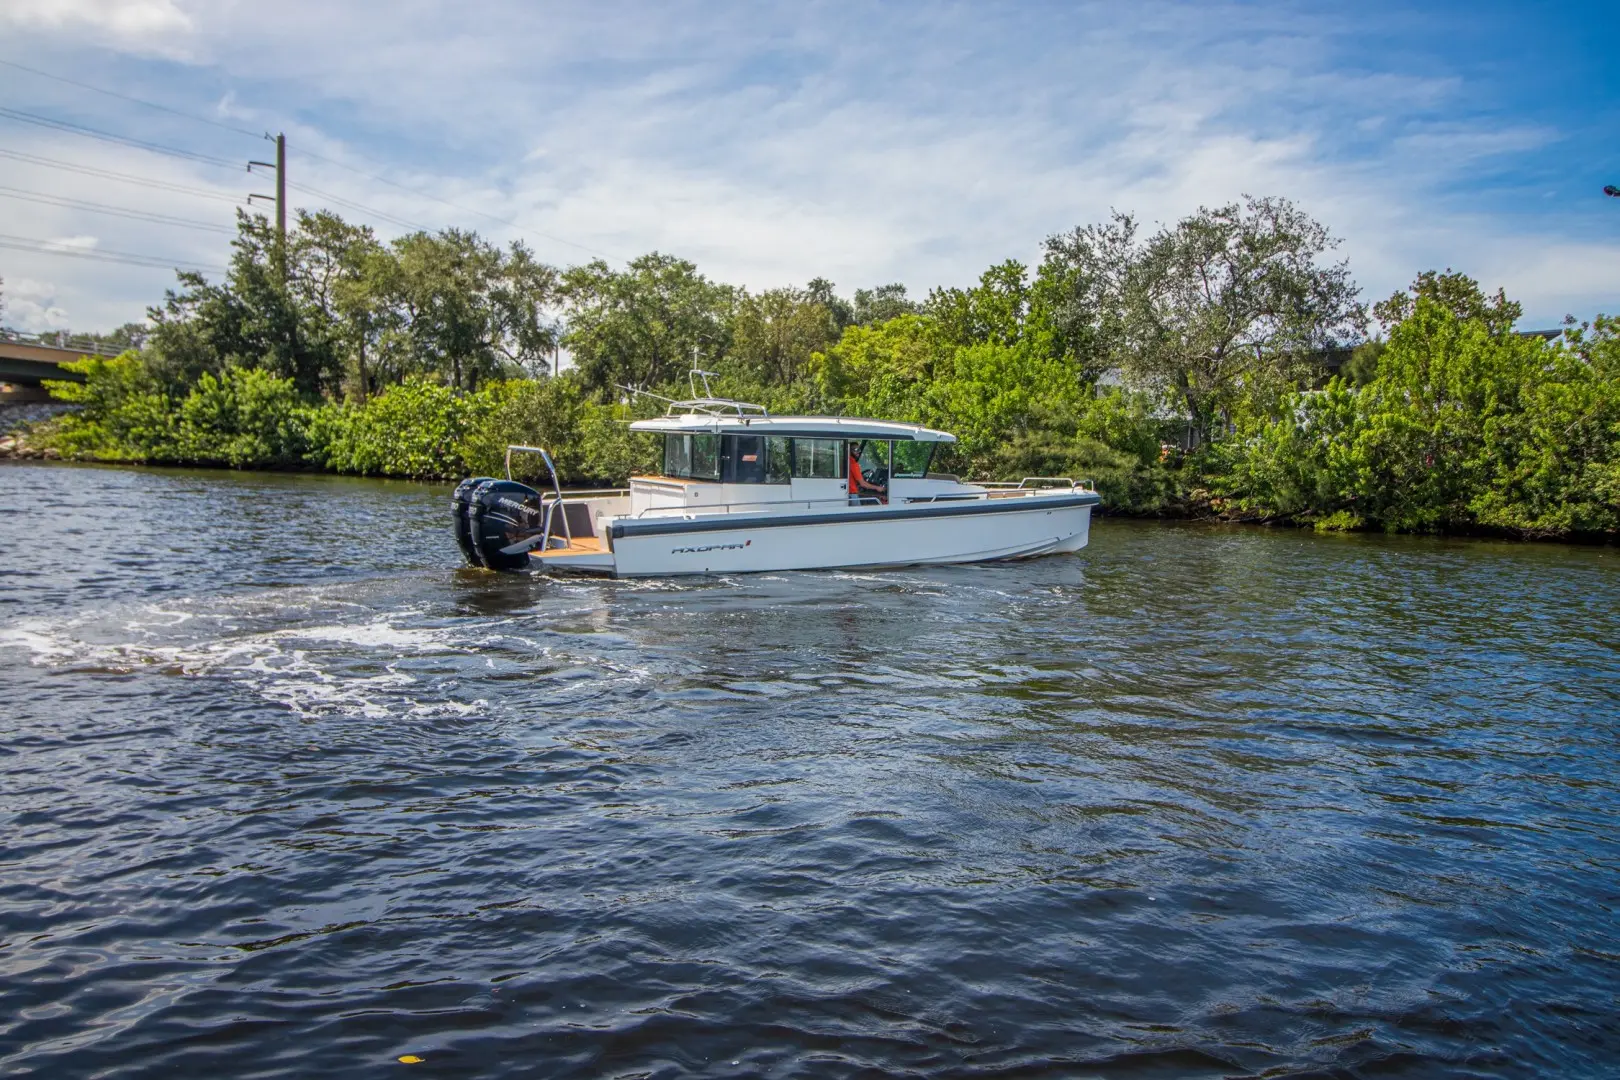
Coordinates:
x,y
1223,367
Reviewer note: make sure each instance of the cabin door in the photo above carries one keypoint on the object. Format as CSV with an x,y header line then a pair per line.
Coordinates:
x,y
747,459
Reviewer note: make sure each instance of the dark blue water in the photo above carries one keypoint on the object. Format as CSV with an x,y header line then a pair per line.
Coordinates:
x,y
285,792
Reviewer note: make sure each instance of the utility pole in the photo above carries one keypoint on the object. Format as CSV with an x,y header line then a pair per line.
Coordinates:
x,y
280,197
281,188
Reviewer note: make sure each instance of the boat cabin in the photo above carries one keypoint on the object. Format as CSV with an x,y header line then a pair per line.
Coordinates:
x,y
813,461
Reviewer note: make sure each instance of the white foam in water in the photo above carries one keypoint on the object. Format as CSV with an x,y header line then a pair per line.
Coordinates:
x,y
283,665
44,647
379,635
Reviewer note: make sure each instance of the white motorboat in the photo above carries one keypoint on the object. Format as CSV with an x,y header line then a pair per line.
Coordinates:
x,y
741,490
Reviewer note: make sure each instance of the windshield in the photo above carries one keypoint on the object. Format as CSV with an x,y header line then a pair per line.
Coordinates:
x,y
911,459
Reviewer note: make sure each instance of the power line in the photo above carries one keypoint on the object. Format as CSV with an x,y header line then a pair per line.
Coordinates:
x,y
456,206
136,100
45,247
94,133
379,214
115,211
307,153
107,136
127,178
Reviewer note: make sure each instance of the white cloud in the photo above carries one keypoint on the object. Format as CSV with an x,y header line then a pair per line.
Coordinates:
x,y
146,26
861,143
72,243
31,305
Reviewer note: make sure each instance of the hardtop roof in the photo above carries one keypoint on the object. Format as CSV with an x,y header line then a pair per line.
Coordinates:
x,y
804,427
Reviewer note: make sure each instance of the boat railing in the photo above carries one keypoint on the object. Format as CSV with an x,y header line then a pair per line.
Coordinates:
x,y
1031,484
550,502
714,407
702,402
753,506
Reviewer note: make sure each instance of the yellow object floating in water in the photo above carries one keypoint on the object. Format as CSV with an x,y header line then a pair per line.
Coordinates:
x,y
409,1059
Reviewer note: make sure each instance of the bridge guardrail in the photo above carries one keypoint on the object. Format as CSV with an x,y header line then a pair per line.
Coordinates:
x,y
64,341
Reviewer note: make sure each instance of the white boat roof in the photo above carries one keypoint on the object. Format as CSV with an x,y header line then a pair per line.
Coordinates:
x,y
804,427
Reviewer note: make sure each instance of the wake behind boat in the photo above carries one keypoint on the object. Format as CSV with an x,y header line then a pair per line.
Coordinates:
x,y
741,490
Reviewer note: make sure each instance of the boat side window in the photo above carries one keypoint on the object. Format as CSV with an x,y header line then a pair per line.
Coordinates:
x,y
822,458
744,459
705,457
678,456
692,457
778,459
911,459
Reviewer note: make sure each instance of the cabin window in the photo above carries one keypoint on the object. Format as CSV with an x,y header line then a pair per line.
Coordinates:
x,y
678,456
911,459
819,458
745,459
692,457
778,459
705,457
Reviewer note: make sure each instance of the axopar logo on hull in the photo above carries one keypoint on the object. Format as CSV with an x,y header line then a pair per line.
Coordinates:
x,y
709,547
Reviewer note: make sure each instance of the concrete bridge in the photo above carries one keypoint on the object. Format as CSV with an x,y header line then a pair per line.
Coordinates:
x,y
28,359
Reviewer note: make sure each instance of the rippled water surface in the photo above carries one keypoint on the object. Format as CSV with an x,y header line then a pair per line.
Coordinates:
x,y
285,792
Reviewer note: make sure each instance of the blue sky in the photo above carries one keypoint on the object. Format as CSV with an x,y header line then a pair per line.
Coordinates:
x,y
863,142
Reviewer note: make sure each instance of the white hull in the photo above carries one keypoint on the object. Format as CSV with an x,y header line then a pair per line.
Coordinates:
x,y
864,537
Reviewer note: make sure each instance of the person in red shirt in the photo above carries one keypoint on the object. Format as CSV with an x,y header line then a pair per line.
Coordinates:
x,y
858,484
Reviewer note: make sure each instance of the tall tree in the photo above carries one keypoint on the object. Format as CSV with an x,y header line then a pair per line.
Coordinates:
x,y
1082,285
774,333
996,311
326,261
882,303
822,292
251,319
1457,293
645,325
473,311
1227,302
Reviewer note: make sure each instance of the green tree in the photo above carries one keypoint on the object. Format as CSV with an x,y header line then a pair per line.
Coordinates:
x,y
774,333
244,418
880,304
822,292
251,319
1083,284
1462,424
889,360
646,325
1458,294
997,311
1229,302
471,311
123,413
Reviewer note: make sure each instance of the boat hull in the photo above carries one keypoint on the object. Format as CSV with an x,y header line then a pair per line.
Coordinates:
x,y
981,531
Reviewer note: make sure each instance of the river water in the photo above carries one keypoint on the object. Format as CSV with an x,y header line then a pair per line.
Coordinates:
x,y
286,792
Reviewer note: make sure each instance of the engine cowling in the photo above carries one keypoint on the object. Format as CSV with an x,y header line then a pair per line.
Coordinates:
x,y
492,514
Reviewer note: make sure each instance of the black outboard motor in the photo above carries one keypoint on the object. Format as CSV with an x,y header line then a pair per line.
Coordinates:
x,y
492,514
460,508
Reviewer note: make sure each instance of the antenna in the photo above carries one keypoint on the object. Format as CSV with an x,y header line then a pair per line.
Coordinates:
x,y
698,373
636,391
